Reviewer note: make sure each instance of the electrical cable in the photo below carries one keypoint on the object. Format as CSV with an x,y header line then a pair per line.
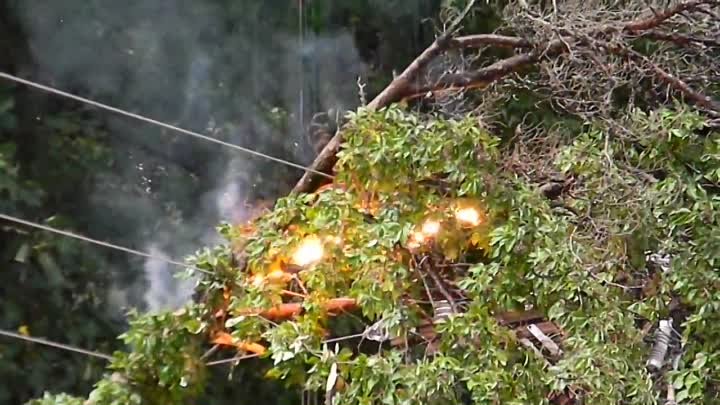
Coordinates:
x,y
55,344
107,357
99,242
157,123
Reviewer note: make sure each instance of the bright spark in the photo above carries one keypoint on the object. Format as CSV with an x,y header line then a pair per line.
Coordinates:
x,y
469,216
278,276
334,239
416,240
309,252
430,228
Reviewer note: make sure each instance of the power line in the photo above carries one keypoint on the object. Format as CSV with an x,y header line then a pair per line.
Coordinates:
x,y
342,338
91,353
100,243
158,123
55,345
232,360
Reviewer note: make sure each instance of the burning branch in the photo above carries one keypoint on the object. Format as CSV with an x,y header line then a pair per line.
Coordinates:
x,y
225,339
290,310
679,85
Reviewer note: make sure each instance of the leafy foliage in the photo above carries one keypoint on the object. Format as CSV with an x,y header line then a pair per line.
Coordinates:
x,y
60,399
79,169
582,262
388,227
36,281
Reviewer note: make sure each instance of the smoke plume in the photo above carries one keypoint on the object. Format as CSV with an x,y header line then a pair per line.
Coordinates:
x,y
233,72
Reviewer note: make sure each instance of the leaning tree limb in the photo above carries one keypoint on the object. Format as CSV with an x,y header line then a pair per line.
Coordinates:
x,y
400,87
498,70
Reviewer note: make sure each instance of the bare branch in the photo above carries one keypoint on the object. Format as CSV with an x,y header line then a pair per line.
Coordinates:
x,y
658,18
593,39
483,76
679,85
682,39
396,90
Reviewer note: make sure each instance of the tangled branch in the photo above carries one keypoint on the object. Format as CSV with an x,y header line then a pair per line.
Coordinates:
x,y
569,58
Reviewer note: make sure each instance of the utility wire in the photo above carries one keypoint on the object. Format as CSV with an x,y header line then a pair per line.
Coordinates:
x,y
54,344
301,36
232,360
107,357
158,123
100,243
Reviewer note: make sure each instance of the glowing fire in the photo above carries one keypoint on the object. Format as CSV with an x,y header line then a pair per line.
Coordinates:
x,y
469,216
333,239
257,280
416,240
430,228
309,252
278,276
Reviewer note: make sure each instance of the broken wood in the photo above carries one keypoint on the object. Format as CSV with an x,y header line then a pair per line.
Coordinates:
x,y
526,325
519,318
544,340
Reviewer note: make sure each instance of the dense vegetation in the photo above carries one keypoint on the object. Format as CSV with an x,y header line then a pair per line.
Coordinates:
x,y
77,168
583,263
596,206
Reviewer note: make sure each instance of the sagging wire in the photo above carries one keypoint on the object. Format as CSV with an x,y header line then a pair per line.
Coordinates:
x,y
56,345
139,117
100,243
92,353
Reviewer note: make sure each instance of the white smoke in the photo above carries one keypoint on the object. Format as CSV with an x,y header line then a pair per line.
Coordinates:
x,y
165,291
176,61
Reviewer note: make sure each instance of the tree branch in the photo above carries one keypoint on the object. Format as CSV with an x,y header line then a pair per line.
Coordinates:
x,y
658,18
399,87
682,39
402,86
504,67
480,77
